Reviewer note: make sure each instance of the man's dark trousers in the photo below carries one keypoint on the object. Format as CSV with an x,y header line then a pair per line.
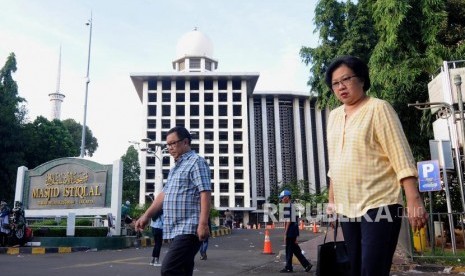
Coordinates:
x,y
179,259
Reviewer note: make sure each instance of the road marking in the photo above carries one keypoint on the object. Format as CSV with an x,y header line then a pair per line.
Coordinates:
x,y
121,261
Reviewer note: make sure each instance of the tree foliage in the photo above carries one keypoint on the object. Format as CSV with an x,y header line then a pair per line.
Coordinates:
x,y
131,175
11,117
404,43
75,129
29,144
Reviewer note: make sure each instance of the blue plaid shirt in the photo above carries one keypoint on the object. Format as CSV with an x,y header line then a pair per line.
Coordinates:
x,y
181,205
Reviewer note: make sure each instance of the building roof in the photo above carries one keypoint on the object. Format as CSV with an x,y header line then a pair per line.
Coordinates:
x,y
139,78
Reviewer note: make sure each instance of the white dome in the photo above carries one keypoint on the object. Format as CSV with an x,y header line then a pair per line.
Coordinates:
x,y
194,44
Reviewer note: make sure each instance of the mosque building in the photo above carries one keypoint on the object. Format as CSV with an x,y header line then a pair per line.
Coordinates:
x,y
254,141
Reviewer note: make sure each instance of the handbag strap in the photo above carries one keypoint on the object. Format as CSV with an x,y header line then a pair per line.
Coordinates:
x,y
335,230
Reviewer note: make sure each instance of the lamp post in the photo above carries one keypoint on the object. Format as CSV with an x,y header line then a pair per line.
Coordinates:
x,y
458,83
157,153
83,137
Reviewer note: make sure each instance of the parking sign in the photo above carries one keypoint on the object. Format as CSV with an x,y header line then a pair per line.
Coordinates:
x,y
429,176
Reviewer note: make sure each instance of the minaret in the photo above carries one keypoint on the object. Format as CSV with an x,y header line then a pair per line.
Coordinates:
x,y
56,98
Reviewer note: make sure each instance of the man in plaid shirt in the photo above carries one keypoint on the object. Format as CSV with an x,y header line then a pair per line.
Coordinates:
x,y
185,201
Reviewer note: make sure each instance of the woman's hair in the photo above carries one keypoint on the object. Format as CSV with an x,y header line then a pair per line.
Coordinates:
x,y
182,133
355,64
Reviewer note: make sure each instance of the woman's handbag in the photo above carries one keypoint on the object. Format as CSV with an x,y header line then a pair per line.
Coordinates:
x,y
333,258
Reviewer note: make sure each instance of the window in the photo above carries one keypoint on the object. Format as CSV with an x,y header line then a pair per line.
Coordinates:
x,y
151,123
222,110
194,97
223,148
195,110
209,148
195,63
208,97
239,201
149,174
151,135
236,97
209,136
152,84
180,110
152,110
180,85
236,84
150,161
166,84
208,65
222,97
195,147
209,123
239,174
224,161
194,123
237,110
237,136
194,84
224,201
222,84
238,148
208,110
223,136
180,97
239,187
152,97
166,97
224,174
224,187
182,65
237,123
238,161
180,122
208,84
166,123
223,123
166,110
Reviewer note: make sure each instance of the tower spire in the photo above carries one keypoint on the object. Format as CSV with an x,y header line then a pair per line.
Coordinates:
x,y
56,98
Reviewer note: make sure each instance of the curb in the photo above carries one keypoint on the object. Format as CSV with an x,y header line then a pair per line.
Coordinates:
x,y
41,250
144,242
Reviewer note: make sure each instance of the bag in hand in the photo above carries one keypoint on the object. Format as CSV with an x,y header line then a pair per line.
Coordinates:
x,y
332,257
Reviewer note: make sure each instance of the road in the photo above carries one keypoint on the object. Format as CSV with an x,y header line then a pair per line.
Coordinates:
x,y
237,254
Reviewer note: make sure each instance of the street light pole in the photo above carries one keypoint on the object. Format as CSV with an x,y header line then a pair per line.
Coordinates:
x,y
83,137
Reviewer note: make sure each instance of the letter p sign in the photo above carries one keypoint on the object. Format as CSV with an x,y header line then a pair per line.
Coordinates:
x,y
427,169
429,176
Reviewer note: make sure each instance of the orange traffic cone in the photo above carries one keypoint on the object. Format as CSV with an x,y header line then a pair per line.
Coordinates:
x,y
267,245
315,228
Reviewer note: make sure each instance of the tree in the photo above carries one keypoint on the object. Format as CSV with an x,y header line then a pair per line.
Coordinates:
x,y
11,142
131,174
403,42
75,129
47,140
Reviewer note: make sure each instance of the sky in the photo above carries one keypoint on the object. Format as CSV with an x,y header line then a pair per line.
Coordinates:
x,y
141,36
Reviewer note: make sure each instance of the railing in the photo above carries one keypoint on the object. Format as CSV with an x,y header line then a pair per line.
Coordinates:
x,y
436,240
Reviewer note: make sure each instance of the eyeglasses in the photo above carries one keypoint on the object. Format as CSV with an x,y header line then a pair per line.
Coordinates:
x,y
345,81
172,144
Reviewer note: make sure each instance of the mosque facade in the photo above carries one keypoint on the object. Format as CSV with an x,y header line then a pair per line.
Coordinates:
x,y
254,141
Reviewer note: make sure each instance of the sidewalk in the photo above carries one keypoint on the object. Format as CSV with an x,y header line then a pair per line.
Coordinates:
x,y
400,264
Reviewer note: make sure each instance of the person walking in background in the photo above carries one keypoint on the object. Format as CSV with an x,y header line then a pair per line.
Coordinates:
x,y
370,161
229,217
185,200
157,231
204,245
291,232
4,223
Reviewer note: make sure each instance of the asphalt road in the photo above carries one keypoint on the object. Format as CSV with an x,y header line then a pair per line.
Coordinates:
x,y
240,253
236,254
